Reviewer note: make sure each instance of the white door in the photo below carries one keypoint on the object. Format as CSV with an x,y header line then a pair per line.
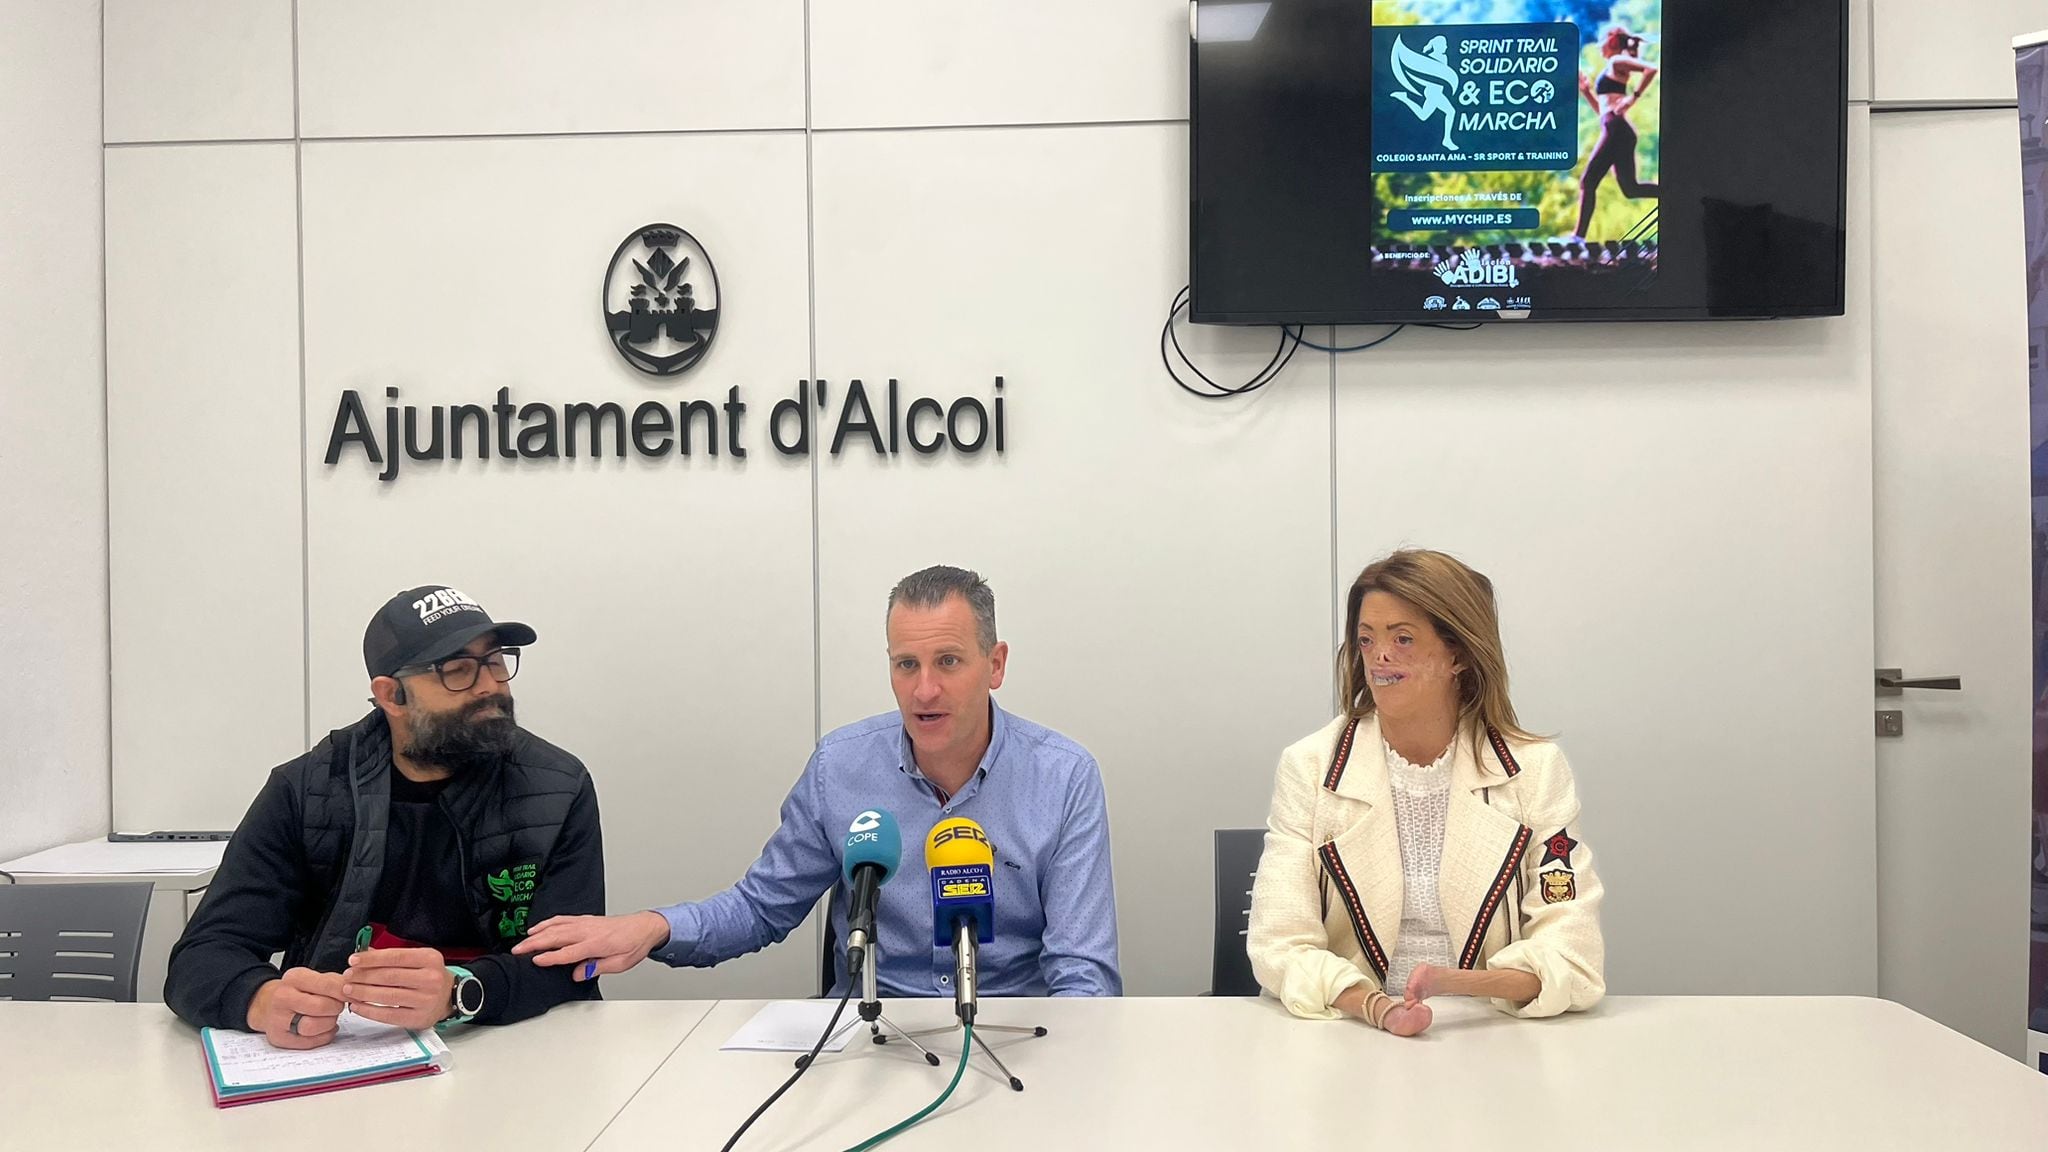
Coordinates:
x,y
1952,567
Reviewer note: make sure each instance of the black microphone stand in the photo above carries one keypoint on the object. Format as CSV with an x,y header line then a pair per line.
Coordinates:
x,y
861,964
966,1004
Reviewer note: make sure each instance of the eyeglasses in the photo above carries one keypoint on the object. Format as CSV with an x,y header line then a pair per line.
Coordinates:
x,y
459,673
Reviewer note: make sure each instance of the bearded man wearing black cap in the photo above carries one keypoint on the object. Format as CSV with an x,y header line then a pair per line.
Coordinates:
x,y
397,863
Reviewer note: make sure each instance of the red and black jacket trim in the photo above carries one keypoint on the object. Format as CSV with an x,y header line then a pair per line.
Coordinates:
x,y
1510,868
1500,749
1368,942
1341,757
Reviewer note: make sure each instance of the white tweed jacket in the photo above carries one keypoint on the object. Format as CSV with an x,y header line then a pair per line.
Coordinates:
x,y
1517,881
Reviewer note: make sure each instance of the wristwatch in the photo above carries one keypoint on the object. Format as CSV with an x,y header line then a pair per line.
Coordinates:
x,y
465,999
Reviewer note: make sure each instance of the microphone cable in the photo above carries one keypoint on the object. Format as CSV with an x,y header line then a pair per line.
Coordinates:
x,y
804,1065
966,1050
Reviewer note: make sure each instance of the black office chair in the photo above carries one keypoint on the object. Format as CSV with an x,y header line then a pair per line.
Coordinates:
x,y
828,963
1237,861
71,941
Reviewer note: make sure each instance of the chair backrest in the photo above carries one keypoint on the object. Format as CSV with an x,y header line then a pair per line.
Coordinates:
x,y
827,963
71,941
1237,861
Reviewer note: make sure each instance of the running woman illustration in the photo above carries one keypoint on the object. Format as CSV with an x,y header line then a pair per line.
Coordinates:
x,y
1429,75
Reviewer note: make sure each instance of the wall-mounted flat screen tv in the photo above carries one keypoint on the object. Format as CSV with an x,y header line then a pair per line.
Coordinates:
x,y
1367,161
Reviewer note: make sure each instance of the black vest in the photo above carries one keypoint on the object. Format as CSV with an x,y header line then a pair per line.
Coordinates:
x,y
507,820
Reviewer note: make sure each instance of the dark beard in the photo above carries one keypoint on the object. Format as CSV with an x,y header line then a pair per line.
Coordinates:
x,y
461,740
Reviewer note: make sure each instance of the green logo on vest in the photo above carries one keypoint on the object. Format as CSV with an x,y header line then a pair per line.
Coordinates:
x,y
513,886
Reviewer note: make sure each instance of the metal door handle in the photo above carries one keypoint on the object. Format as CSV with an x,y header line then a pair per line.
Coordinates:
x,y
1893,682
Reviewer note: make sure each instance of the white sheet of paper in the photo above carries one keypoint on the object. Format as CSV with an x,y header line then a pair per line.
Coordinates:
x,y
246,1058
100,858
790,1026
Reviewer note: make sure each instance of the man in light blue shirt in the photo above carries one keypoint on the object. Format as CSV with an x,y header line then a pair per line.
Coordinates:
x,y
948,751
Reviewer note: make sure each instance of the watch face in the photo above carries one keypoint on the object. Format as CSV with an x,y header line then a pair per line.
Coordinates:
x,y
469,995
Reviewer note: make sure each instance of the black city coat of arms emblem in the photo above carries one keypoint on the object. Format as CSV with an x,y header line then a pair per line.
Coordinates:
x,y
661,300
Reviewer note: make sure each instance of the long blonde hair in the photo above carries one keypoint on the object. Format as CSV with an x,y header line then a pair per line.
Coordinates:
x,y
1460,606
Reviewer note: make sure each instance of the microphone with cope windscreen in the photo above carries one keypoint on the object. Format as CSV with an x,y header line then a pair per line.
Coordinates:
x,y
874,846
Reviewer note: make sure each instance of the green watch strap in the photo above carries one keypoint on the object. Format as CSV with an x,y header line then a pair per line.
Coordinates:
x,y
466,997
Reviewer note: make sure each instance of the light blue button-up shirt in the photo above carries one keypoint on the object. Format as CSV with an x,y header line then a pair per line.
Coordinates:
x,y
1037,794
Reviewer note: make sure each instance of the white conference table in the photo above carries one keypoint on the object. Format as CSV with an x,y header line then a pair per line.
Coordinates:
x,y
1637,1073
129,1077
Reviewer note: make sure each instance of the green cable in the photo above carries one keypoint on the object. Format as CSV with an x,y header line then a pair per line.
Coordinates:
x,y
966,1049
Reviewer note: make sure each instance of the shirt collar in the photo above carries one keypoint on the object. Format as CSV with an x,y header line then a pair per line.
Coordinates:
x,y
998,728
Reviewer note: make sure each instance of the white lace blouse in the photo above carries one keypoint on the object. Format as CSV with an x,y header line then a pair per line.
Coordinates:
x,y
1422,805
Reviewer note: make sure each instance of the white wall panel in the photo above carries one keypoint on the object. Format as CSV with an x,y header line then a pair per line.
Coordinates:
x,y
53,512
203,474
1949,52
672,596
1161,563
468,67
1860,49
198,69
908,62
1677,519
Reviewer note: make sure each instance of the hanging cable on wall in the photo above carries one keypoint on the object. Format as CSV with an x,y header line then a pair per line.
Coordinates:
x,y
1373,343
1290,340
1168,337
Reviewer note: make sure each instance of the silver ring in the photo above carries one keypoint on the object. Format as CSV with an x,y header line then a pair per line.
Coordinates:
x,y
293,1027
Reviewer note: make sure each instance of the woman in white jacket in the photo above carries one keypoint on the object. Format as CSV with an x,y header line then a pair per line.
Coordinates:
x,y
1424,844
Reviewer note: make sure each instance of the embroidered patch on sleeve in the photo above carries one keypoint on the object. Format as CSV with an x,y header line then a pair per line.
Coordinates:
x,y
1558,847
1559,885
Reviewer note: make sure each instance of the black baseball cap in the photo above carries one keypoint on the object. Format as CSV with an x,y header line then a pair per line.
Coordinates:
x,y
429,623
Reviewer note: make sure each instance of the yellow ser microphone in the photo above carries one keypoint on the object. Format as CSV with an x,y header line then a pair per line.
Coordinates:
x,y
961,863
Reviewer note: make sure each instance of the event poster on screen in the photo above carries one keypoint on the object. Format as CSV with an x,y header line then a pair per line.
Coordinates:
x,y
1515,137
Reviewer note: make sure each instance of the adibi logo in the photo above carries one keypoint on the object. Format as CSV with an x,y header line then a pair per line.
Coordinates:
x,y
1476,269
661,300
